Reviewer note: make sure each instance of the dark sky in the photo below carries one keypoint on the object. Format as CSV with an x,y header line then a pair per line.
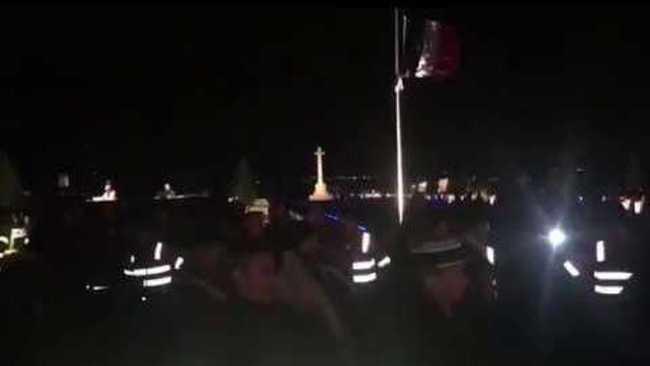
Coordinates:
x,y
144,92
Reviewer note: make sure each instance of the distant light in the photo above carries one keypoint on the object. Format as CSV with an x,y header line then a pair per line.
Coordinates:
x,y
489,254
451,198
580,198
365,278
365,242
556,237
608,290
612,276
157,282
140,272
443,185
26,241
422,186
626,204
178,263
158,251
638,207
132,259
99,288
143,298
384,262
573,271
361,265
474,196
603,198
492,199
600,251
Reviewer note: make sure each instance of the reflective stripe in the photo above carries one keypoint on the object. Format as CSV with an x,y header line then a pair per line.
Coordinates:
x,y
158,251
573,271
361,265
608,290
157,281
489,254
365,242
178,263
139,272
384,262
600,251
99,288
612,275
365,278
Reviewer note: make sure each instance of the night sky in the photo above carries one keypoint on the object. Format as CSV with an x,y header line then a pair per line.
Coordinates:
x,y
143,93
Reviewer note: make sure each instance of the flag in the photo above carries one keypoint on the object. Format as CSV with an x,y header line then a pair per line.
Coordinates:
x,y
428,48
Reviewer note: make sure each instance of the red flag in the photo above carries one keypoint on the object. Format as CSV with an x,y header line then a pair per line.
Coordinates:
x,y
431,49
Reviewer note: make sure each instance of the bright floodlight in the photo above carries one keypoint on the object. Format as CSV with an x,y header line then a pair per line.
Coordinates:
x,y
556,237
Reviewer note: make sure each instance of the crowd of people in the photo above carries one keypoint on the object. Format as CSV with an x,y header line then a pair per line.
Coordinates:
x,y
290,300
277,289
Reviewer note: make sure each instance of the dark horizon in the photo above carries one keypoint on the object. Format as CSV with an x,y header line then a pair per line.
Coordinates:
x,y
143,93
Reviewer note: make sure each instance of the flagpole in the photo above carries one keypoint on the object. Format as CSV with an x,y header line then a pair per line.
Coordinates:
x,y
399,86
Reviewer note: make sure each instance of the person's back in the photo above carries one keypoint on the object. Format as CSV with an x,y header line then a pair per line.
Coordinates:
x,y
260,330
434,312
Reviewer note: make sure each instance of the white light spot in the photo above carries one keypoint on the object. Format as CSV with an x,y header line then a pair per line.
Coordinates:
x,y
365,278
143,298
600,251
158,251
365,242
140,272
361,265
132,259
556,237
157,281
573,271
638,207
489,254
612,275
178,263
99,288
384,262
608,290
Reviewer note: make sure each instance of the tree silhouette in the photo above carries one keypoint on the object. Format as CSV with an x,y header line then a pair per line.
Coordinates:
x,y
10,191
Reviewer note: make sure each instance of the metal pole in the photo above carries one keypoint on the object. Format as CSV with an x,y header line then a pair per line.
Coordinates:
x,y
400,170
398,122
